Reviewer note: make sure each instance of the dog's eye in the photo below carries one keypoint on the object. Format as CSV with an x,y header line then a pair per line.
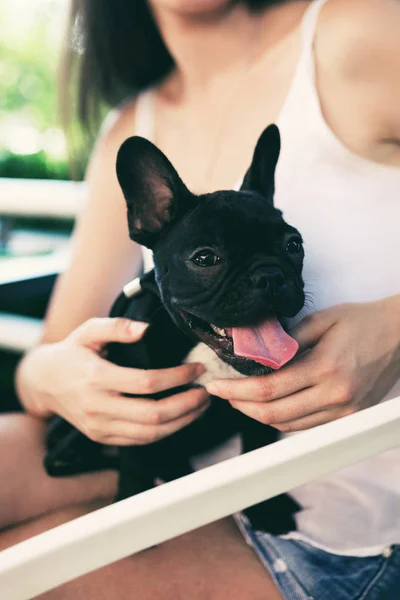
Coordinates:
x,y
293,245
206,258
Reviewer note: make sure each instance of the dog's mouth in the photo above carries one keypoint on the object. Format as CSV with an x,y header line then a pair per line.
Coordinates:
x,y
266,343
216,337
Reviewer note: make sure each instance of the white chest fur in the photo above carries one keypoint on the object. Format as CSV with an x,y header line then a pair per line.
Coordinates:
x,y
216,368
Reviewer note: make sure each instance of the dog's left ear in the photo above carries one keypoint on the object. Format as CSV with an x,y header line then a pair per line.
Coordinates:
x,y
260,177
154,193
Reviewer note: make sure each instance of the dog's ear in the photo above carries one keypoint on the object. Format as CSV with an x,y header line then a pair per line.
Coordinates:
x,y
154,193
260,177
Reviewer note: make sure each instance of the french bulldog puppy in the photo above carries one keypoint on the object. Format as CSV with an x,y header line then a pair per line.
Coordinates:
x,y
226,277
227,271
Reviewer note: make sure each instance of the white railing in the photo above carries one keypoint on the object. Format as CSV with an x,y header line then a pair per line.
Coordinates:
x,y
100,538
33,198
41,198
18,333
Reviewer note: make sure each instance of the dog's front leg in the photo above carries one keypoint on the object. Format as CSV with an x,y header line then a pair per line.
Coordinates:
x,y
136,471
275,515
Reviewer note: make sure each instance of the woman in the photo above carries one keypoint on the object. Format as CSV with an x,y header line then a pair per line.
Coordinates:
x,y
325,72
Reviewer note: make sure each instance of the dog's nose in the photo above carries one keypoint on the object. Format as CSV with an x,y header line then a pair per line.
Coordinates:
x,y
266,278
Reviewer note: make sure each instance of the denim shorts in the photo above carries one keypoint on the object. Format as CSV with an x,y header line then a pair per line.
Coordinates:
x,y
303,572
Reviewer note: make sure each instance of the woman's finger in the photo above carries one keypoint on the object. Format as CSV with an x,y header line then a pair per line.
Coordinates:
x,y
286,381
140,382
297,406
310,330
148,434
96,333
118,441
151,412
318,418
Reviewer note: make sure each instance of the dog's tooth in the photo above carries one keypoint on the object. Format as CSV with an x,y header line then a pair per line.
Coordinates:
x,y
218,330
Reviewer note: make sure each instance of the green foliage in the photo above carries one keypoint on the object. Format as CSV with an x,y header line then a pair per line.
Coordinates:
x,y
29,56
32,166
28,70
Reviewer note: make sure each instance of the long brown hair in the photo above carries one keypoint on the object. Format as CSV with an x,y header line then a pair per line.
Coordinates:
x,y
114,50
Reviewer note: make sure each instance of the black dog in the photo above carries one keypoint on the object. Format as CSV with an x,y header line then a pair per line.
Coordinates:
x,y
227,273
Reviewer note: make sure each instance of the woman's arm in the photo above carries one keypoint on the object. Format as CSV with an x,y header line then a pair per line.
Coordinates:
x,y
66,374
103,257
357,62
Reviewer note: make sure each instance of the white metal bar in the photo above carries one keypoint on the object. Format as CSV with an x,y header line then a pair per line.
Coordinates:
x,y
30,267
18,333
68,551
41,198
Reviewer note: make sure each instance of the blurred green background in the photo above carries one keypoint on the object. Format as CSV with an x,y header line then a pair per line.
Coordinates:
x,y
32,144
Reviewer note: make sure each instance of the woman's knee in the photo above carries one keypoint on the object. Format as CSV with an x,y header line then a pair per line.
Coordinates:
x,y
29,491
28,529
20,427
20,448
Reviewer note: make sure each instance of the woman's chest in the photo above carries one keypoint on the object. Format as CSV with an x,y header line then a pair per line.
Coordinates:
x,y
211,140
350,225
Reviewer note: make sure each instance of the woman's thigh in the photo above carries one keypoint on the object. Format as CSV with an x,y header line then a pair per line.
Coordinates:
x,y
211,563
29,491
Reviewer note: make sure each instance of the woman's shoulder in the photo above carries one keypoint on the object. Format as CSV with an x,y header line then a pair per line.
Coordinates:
x,y
360,36
357,48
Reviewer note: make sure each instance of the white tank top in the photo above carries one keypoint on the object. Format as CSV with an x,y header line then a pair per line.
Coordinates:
x,y
348,211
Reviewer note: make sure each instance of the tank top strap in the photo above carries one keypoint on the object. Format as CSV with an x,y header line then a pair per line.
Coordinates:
x,y
309,24
144,115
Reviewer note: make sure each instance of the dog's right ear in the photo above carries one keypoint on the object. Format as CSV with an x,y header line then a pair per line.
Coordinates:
x,y
155,194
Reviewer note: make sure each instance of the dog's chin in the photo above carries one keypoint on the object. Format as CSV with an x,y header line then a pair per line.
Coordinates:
x,y
221,342
245,366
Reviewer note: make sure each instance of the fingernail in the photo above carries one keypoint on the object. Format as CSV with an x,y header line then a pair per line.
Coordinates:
x,y
138,328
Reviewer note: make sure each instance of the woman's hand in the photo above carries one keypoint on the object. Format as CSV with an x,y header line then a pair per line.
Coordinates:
x,y
352,360
71,379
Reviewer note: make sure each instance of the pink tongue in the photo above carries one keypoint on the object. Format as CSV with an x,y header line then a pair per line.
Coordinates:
x,y
267,343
